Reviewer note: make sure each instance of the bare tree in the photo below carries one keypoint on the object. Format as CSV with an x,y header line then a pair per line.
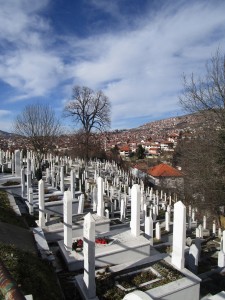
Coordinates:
x,y
89,109
201,157
40,126
207,93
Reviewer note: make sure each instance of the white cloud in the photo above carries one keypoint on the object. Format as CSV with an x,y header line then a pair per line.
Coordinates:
x,y
140,70
4,112
19,20
6,120
33,73
139,67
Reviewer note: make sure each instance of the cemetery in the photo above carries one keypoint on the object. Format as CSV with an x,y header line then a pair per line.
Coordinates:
x,y
121,239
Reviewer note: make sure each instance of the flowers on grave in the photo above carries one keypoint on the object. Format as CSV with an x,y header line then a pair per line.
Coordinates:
x,y
102,241
78,244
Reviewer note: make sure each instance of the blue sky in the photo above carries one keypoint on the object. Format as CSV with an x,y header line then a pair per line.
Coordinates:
x,y
134,50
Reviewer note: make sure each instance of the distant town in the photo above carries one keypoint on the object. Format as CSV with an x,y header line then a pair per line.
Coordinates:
x,y
157,138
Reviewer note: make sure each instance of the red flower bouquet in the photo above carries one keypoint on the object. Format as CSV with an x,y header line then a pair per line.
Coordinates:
x,y
78,244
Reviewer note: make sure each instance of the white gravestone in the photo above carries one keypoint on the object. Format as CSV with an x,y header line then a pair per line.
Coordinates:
x,y
47,179
81,204
193,258
89,255
197,233
135,210
179,235
41,203
200,231
72,183
107,213
100,206
62,179
30,199
167,221
214,228
28,176
158,231
221,254
13,164
149,229
94,197
17,163
122,211
67,214
198,244
22,182
204,222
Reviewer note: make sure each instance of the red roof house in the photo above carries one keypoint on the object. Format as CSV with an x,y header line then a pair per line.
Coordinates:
x,y
166,176
164,170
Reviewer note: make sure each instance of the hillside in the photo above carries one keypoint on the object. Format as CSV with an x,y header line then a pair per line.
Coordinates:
x,y
5,134
185,122
151,130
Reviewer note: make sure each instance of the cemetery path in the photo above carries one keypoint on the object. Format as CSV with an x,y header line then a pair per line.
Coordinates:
x,y
20,237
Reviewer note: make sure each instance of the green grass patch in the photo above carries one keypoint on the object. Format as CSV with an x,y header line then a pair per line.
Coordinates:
x,y
7,214
32,275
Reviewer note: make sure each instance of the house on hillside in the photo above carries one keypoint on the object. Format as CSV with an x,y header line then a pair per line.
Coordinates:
x,y
165,176
124,150
167,146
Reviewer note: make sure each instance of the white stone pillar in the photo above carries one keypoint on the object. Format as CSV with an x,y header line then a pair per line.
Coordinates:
x,y
221,254
89,255
214,228
17,163
94,197
158,231
100,207
135,210
189,210
72,183
149,229
81,204
47,179
41,203
193,258
107,213
28,176
122,211
179,235
204,222
200,231
13,164
62,179
30,199
167,221
67,214
22,182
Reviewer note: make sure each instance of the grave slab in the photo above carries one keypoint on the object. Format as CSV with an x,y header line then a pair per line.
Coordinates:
x,y
54,232
123,248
